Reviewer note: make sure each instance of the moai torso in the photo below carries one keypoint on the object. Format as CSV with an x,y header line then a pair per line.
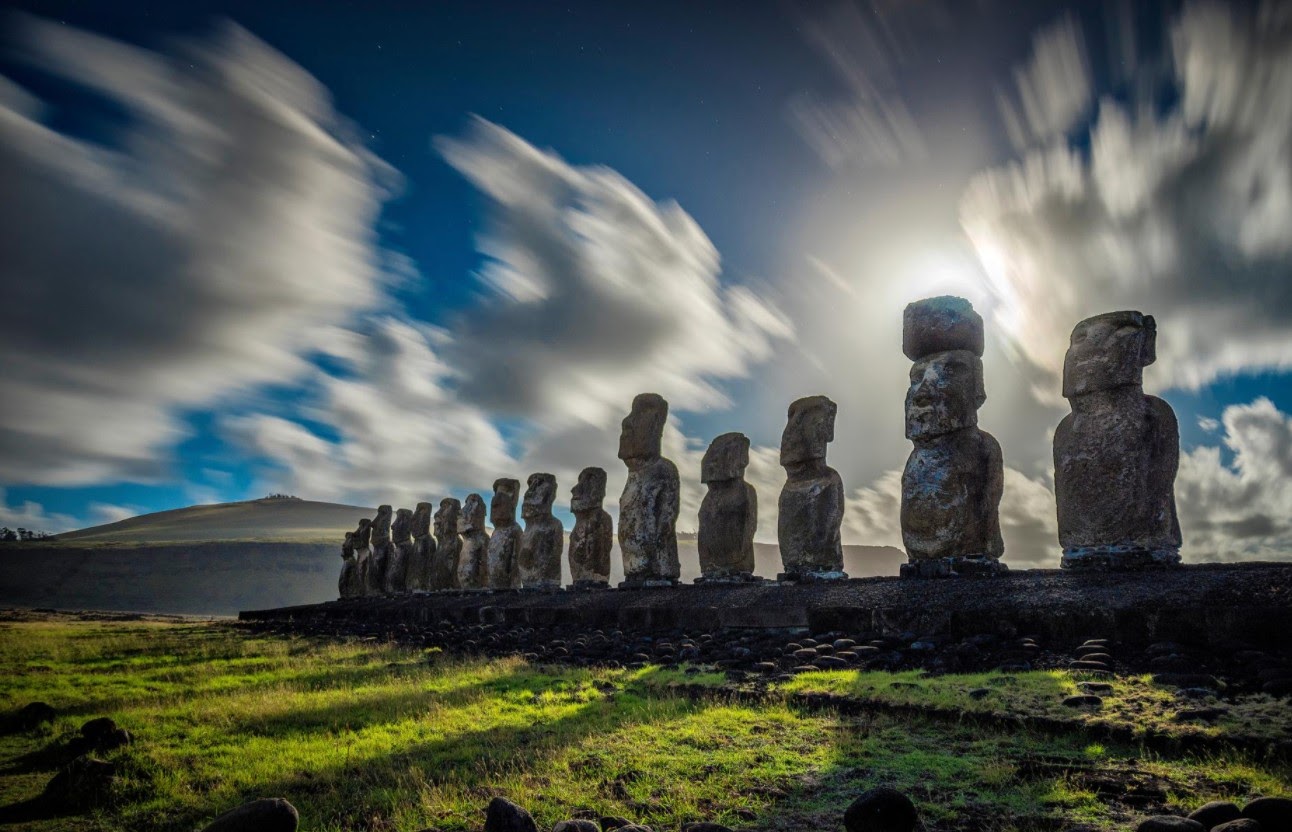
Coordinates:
x,y
811,502
401,550
379,560
593,534
504,543
543,540
729,511
347,584
473,561
423,546
363,553
651,499
448,545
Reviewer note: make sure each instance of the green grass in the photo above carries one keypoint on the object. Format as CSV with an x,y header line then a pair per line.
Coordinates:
x,y
362,735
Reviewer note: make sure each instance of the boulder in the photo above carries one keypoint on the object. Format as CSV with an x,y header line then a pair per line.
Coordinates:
x,y
881,809
1215,813
1169,823
31,715
1274,814
1240,825
81,784
576,825
268,814
505,816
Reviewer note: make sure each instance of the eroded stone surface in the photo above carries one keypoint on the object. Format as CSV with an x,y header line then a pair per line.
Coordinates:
x,y
448,545
650,502
543,541
401,552
473,560
504,543
363,551
379,559
811,502
350,583
593,535
419,563
1116,454
729,511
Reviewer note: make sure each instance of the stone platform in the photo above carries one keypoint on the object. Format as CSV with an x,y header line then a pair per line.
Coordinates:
x,y
1208,604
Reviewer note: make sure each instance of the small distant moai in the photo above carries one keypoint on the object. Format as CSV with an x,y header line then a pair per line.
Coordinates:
x,y
348,584
811,503
593,535
1116,454
473,561
543,541
650,503
379,560
448,545
419,561
363,552
728,514
504,543
954,477
401,552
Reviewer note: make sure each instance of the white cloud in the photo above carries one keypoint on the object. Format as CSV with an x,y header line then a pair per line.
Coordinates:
x,y
1053,87
32,515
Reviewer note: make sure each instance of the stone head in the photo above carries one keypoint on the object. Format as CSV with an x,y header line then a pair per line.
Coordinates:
x,y
403,521
643,428
539,496
502,507
726,459
446,519
588,493
420,526
1109,351
809,430
363,534
472,518
945,394
347,548
940,324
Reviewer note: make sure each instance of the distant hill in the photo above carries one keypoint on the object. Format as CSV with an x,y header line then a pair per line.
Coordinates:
x,y
276,520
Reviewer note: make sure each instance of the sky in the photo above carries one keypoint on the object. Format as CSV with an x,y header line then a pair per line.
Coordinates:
x,y
387,252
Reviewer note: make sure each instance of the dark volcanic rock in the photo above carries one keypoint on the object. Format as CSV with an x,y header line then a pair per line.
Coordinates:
x,y
1215,813
81,784
1084,701
881,809
1169,823
576,825
1274,814
268,814
31,715
1240,825
505,816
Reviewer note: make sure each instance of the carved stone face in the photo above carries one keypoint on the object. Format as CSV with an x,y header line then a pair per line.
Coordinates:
x,y
421,522
403,521
726,459
502,508
539,496
347,548
1109,351
446,519
589,491
363,535
809,430
643,428
945,394
472,518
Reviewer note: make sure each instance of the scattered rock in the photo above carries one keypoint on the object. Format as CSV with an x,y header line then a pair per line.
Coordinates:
x,y
1169,823
1215,813
505,816
612,822
81,784
880,810
268,814
979,693
701,827
1274,814
1185,680
1084,701
1095,687
1240,825
1200,714
31,715
576,825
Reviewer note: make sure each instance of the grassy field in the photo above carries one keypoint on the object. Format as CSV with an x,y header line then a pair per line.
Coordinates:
x,y
368,736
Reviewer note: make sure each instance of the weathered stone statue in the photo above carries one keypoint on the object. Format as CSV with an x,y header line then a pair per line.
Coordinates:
x,y
448,545
1117,452
544,539
363,552
379,560
504,543
400,550
593,535
348,584
473,561
952,483
650,502
811,503
419,561
729,512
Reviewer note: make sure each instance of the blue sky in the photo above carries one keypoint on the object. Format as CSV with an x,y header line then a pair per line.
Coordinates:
x,y
796,174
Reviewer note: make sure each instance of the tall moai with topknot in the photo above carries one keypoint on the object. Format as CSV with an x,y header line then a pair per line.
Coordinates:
x,y
811,503
954,477
448,545
363,552
1117,453
593,535
401,548
543,540
504,543
728,513
419,562
473,561
379,560
651,500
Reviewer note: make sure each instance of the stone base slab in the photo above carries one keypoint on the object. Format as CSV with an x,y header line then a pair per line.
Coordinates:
x,y
654,583
1118,558
811,577
954,568
737,578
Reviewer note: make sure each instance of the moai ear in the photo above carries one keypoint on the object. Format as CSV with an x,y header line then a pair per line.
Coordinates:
x,y
833,410
1149,352
979,384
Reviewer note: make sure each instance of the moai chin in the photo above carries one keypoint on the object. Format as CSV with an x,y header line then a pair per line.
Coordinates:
x,y
363,552
953,480
649,506
348,584
448,546
811,503
379,560
1116,454
504,543
419,561
400,553
473,562
543,540
728,513
593,535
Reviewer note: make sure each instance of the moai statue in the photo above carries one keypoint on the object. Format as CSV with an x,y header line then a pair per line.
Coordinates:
x,y
953,479
650,502
444,560
544,539
379,560
1117,452
811,504
419,561
348,584
504,543
363,552
400,553
728,514
593,535
473,561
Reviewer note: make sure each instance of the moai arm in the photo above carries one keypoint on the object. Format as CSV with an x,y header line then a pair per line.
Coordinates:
x,y
994,490
751,518
1164,436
